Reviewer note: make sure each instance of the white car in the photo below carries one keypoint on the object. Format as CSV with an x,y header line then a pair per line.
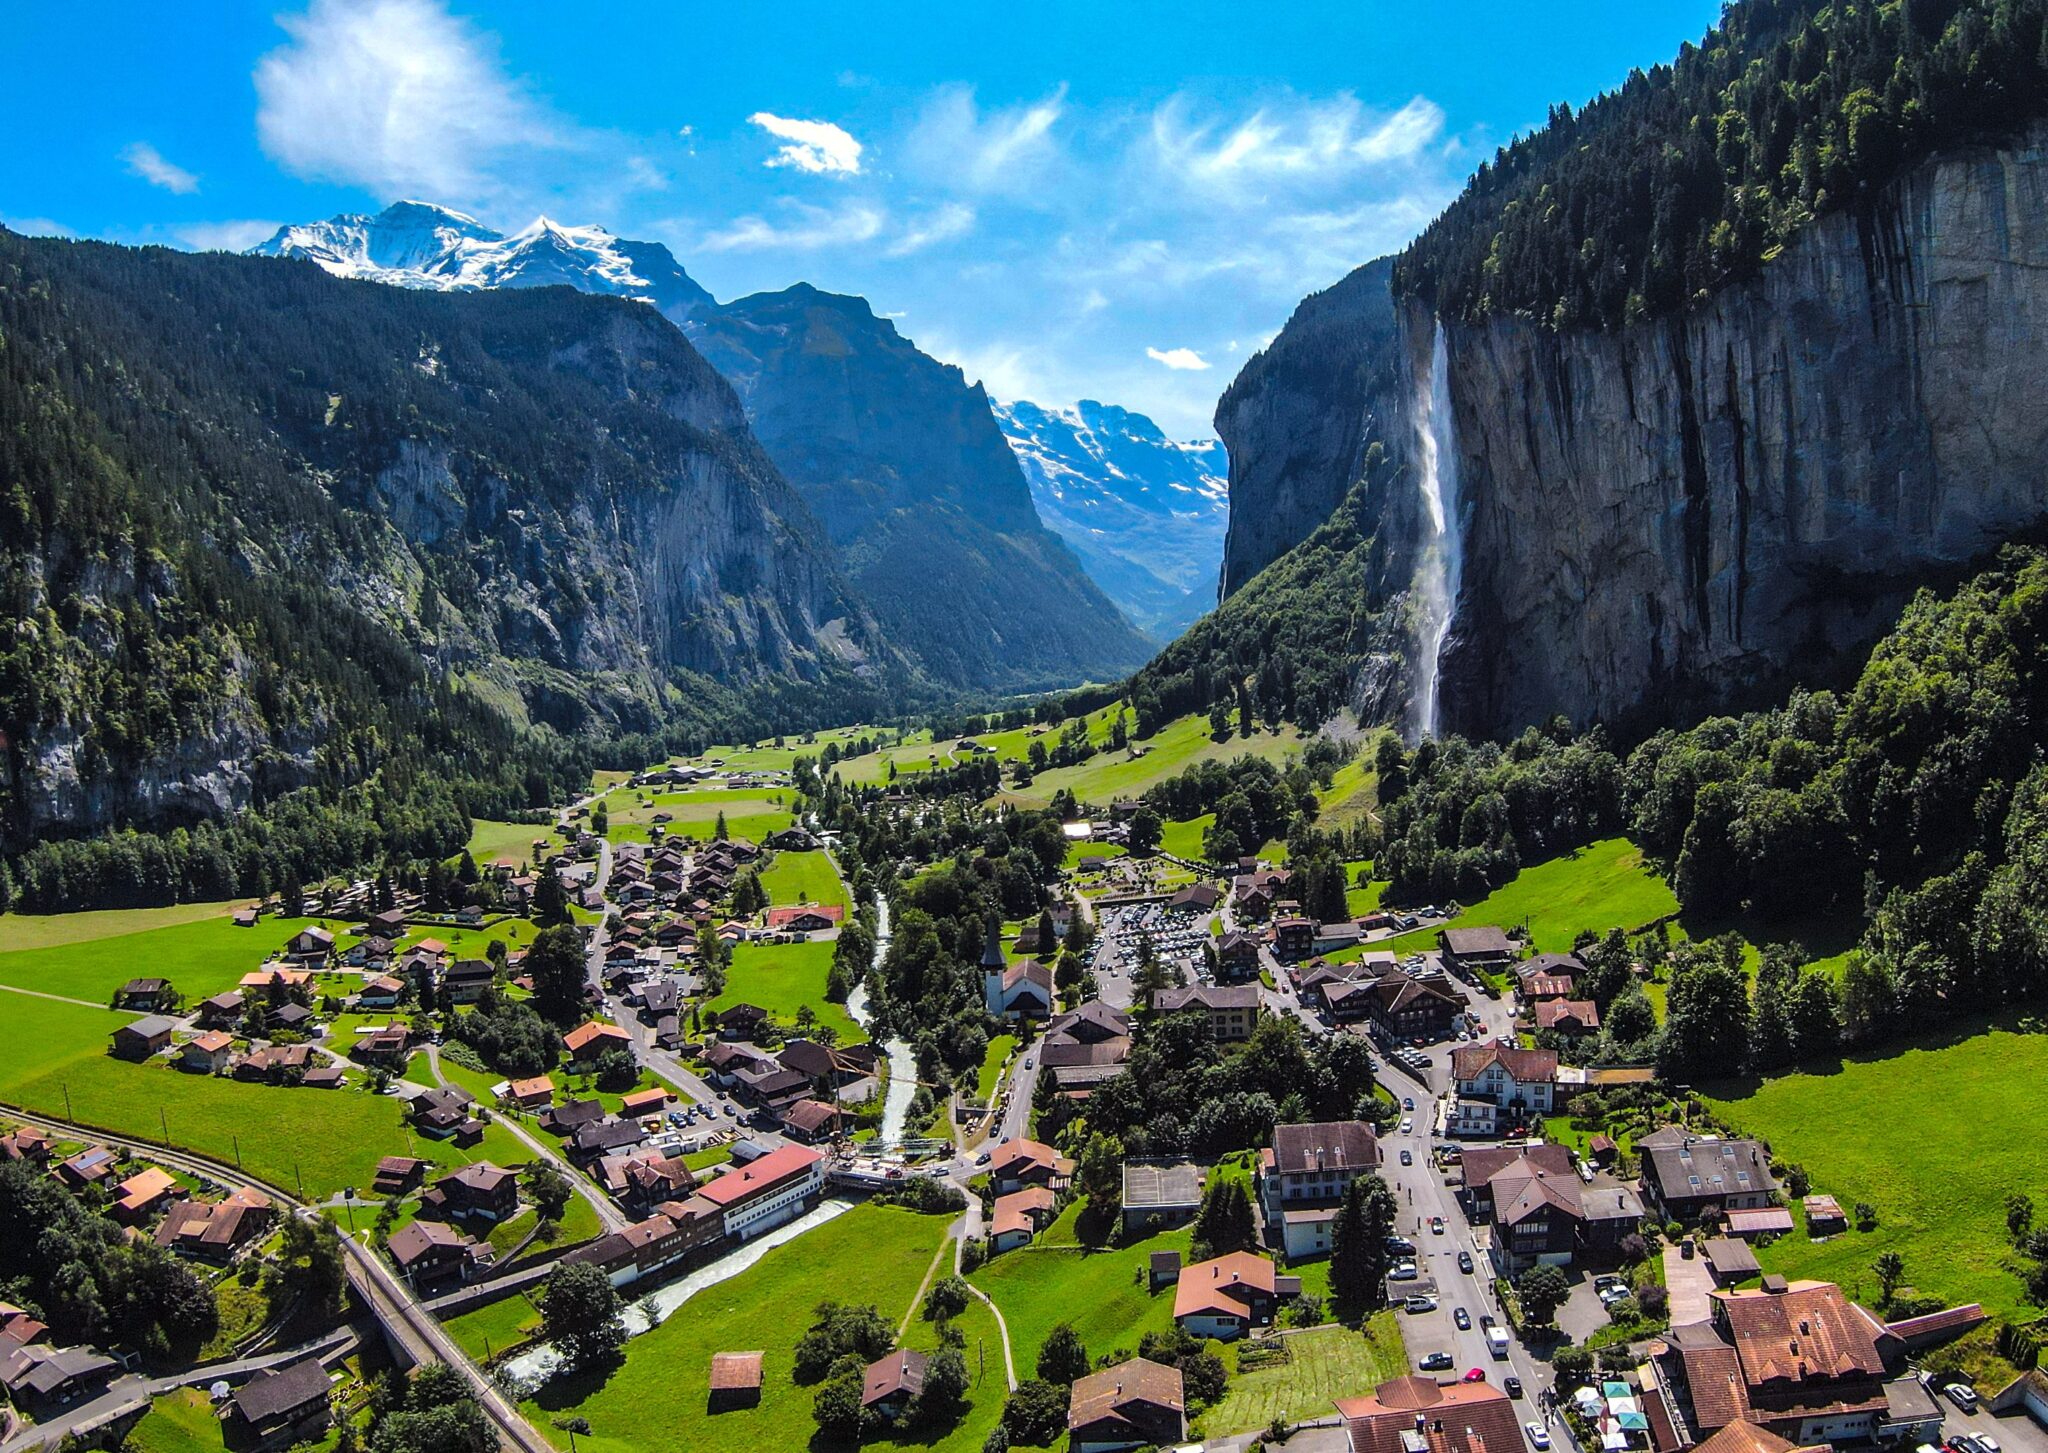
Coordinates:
x,y
1538,1438
1406,1125
1403,1271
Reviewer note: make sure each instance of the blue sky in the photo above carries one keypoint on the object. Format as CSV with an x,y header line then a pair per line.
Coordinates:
x,y
1117,201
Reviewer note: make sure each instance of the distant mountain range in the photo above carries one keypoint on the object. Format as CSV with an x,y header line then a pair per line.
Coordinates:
x,y
1146,514
896,455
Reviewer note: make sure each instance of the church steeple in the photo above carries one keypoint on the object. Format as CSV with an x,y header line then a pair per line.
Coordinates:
x,y
992,948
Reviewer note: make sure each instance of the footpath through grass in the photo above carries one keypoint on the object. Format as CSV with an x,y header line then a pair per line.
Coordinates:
x,y
1934,1137
657,1401
1101,1292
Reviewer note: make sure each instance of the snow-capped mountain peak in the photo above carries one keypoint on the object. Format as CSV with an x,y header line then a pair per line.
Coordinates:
x,y
1145,513
420,245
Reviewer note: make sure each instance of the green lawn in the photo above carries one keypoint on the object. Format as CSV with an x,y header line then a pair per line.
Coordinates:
x,y
489,841
1934,1137
804,878
178,1422
490,1330
782,978
986,1389
1101,1292
999,1049
57,1064
1327,1363
1175,746
201,957
20,930
657,1400
1606,885
913,754
1353,795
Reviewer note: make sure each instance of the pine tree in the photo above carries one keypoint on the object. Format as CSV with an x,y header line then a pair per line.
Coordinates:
x,y
1358,1246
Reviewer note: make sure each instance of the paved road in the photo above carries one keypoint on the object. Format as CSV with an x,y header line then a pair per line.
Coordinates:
x,y
608,1215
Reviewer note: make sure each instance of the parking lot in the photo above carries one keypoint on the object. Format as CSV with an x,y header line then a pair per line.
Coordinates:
x,y
1176,938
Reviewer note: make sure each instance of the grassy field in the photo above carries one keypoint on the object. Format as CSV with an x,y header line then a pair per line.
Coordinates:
x,y
1175,746
1934,1137
58,1065
749,812
489,841
1101,1292
1606,885
657,1400
999,1049
201,957
1327,1363
1353,795
782,978
178,1422
20,930
490,1330
985,1387
803,878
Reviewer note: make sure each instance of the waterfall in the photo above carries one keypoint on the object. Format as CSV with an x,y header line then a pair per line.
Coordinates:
x,y
1442,558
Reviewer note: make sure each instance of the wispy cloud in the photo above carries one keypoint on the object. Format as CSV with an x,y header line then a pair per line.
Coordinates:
x,y
236,236
36,226
810,146
147,162
1181,360
400,97
1283,141
957,144
804,228
941,224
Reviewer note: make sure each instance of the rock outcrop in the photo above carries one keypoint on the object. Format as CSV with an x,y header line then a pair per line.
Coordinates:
x,y
1671,516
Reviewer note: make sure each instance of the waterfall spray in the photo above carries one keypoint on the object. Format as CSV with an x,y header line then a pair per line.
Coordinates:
x,y
1442,558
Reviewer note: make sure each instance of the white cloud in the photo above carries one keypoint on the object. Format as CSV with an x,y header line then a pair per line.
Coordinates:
x,y
400,97
237,236
1006,150
811,146
147,162
36,226
806,229
1290,141
941,224
1181,360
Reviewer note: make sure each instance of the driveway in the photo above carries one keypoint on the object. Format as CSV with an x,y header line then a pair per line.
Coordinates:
x,y
1689,1282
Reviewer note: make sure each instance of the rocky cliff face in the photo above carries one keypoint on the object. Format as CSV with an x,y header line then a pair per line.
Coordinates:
x,y
900,458
1664,518
1300,415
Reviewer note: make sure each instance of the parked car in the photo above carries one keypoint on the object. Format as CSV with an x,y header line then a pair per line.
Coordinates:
x,y
1512,1384
1463,1318
1403,1271
1538,1439
1962,1395
1419,1303
1465,1262
1436,1362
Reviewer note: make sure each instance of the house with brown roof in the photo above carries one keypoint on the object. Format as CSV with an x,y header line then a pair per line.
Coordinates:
x,y
647,1246
87,1168
1233,1009
592,1038
1015,1164
25,1142
1417,1415
433,1256
805,918
1085,1046
144,994
812,1121
1499,1085
208,1054
278,1064
397,1174
1568,1016
480,1192
443,1113
1797,1359
216,1230
1539,1208
764,1193
1226,1296
1019,1216
893,1383
735,1381
1302,1177
1410,1006
1134,1404
146,1036
143,1194
222,1011
536,1093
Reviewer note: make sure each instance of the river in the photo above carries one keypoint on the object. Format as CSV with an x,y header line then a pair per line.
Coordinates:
x,y
902,1063
533,1367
